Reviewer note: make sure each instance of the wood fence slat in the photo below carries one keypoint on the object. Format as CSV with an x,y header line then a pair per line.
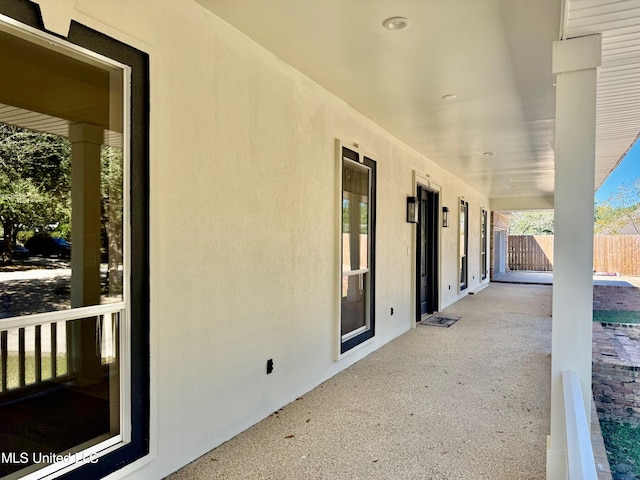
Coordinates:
x,y
611,253
530,252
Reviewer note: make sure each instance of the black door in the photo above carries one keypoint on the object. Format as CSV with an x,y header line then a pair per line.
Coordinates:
x,y
427,252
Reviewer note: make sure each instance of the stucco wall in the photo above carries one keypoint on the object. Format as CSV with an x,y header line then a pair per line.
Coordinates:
x,y
498,222
244,226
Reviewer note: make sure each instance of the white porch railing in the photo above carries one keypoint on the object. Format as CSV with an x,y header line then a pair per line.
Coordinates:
x,y
35,348
580,461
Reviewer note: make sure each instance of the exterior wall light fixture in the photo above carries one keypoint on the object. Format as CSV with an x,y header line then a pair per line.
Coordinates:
x,y
412,209
445,216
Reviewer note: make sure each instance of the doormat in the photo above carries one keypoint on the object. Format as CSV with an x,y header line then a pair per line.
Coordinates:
x,y
440,321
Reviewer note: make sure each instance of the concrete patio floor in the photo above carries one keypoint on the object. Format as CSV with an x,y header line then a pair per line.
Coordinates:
x,y
466,402
546,278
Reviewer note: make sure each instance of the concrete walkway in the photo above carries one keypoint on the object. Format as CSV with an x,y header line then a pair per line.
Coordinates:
x,y
546,278
466,402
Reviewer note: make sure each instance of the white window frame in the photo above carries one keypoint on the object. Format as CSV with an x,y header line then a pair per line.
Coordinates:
x,y
463,244
484,244
360,271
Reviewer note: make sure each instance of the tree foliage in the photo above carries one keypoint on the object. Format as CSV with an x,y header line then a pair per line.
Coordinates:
x,y
35,181
346,222
533,222
620,212
112,193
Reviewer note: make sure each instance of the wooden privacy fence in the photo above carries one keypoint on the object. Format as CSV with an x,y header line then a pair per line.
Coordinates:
x,y
611,253
530,252
617,253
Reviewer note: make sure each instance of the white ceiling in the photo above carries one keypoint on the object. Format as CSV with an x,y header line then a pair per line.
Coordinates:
x,y
494,55
42,122
45,88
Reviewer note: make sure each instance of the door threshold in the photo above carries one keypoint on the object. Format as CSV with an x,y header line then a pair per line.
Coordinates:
x,y
426,316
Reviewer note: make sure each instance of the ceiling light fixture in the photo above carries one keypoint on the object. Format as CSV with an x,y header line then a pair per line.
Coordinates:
x,y
396,23
489,154
449,96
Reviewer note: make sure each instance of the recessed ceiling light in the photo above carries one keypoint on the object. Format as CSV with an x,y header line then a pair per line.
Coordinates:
x,y
396,23
489,154
449,96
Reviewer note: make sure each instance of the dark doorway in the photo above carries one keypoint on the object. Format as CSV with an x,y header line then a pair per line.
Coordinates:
x,y
427,253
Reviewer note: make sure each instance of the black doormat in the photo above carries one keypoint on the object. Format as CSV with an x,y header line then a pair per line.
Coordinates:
x,y
440,320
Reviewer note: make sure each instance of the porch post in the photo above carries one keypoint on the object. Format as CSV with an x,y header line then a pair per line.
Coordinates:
x,y
575,64
86,141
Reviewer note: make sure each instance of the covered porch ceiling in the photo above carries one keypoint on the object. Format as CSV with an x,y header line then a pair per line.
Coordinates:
x,y
48,89
468,83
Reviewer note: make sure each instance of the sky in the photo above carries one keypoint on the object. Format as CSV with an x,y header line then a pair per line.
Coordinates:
x,y
626,172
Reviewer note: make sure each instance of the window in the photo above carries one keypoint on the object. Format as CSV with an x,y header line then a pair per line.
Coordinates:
x,y
74,341
357,317
464,244
483,243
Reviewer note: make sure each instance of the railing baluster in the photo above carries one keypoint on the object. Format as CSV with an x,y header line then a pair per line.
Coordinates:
x,y
4,345
21,358
15,373
54,350
38,354
69,343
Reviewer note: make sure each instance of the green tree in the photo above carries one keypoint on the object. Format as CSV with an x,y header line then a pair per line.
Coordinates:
x,y
34,182
364,213
620,211
112,190
532,222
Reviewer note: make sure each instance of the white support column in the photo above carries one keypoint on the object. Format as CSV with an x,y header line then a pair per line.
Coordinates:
x,y
575,64
86,141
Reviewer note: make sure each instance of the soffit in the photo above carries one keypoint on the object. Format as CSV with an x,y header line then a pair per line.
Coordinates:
x,y
41,122
618,99
494,55
43,80
45,90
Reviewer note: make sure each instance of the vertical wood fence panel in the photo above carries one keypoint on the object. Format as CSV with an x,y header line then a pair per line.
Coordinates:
x,y
611,253
530,252
617,253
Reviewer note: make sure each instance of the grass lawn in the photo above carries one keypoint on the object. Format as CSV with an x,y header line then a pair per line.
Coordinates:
x,y
616,316
622,442
30,368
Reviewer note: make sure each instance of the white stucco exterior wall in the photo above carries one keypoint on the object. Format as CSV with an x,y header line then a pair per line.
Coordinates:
x,y
244,246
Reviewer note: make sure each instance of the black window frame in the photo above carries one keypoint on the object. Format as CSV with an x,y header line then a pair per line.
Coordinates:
x,y
28,13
